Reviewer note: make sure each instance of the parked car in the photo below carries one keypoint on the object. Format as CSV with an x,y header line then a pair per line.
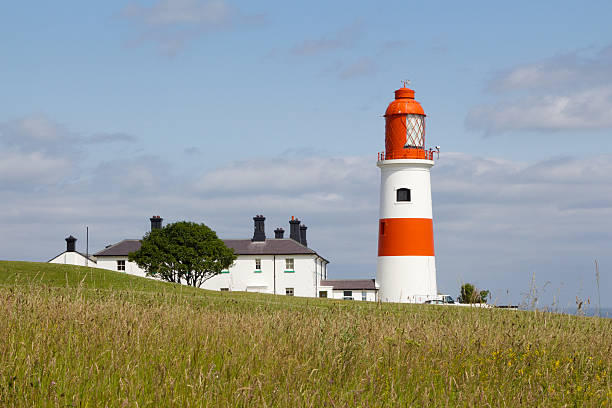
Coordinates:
x,y
442,300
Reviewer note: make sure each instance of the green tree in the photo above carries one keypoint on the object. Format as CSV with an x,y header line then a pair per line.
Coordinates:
x,y
183,252
470,294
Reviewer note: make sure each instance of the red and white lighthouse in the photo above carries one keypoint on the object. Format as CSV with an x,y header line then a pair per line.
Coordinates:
x,y
406,268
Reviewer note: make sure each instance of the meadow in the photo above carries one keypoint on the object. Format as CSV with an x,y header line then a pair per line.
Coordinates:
x,y
83,337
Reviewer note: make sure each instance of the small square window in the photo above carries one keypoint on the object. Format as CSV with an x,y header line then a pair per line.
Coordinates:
x,y
348,295
322,293
289,291
289,264
258,264
121,265
224,289
403,194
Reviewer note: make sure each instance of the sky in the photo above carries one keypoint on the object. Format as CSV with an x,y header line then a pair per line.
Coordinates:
x,y
214,111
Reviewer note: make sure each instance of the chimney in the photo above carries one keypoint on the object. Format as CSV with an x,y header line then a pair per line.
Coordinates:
x,y
71,244
303,229
156,222
259,235
279,233
294,229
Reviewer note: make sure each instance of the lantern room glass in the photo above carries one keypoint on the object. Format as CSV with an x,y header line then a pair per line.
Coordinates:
x,y
415,131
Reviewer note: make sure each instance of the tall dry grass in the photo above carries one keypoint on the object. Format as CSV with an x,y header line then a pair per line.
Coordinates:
x,y
80,345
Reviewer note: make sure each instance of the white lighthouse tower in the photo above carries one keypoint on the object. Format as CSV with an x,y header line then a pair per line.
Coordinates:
x,y
406,269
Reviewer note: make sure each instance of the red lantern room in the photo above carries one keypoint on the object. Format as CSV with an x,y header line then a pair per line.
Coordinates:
x,y
405,128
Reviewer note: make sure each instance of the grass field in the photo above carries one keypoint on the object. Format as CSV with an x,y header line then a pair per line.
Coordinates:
x,y
72,336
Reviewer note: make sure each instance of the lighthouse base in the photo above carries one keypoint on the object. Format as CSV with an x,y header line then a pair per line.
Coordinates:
x,y
406,279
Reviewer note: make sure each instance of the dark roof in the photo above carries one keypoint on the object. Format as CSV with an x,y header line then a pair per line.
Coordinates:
x,y
122,248
285,246
91,256
281,246
349,284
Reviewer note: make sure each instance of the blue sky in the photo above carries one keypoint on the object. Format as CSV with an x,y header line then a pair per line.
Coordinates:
x,y
214,111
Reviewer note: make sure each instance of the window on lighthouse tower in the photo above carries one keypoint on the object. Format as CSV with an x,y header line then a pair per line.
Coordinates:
x,y
403,194
415,131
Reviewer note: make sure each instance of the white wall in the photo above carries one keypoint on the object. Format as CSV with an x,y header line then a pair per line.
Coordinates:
x,y
409,279
110,262
405,173
357,294
304,279
328,289
72,258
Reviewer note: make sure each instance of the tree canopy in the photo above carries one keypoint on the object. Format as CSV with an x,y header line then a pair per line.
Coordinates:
x,y
183,252
470,294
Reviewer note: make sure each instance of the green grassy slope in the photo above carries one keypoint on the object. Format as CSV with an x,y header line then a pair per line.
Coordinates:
x,y
74,336
100,282
26,273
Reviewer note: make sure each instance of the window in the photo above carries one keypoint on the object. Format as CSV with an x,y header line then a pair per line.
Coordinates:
x,y
348,295
121,265
322,293
415,131
289,291
403,194
257,265
224,289
364,295
289,264
382,227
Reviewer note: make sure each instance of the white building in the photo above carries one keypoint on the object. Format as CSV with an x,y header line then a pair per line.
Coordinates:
x,y
350,289
115,257
279,265
71,257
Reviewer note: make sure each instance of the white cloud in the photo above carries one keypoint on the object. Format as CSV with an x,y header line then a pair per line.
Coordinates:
x,y
36,133
136,175
168,12
32,170
36,153
295,175
345,37
172,23
568,92
362,67
334,43
112,138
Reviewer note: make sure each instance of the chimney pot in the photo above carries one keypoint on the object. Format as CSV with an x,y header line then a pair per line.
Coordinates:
x,y
71,244
303,229
156,222
279,233
259,233
294,229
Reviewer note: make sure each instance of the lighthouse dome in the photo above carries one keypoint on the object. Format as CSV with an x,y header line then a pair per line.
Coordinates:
x,y
405,127
404,103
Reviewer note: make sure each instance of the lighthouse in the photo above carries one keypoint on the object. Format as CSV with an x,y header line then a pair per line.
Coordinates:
x,y
406,267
